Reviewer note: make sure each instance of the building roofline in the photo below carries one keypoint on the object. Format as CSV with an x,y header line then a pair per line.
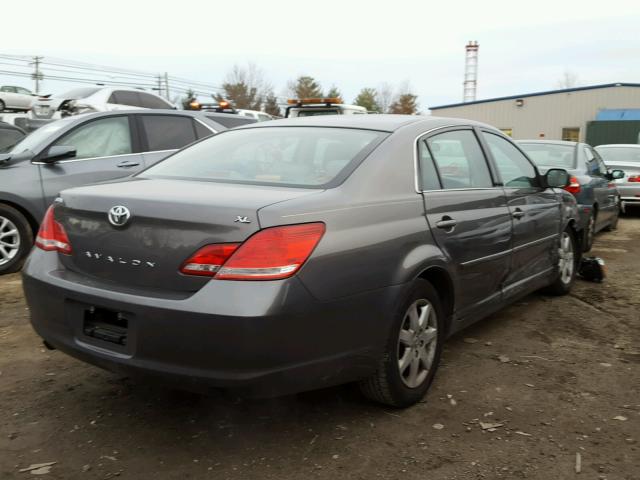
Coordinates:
x,y
537,94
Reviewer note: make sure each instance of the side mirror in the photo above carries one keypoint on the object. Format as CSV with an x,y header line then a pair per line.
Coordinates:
x,y
557,178
58,152
616,174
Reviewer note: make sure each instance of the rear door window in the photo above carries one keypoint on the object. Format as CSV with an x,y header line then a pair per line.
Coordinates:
x,y
168,132
459,160
100,138
8,138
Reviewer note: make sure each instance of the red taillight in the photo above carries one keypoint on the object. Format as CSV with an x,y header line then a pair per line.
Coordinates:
x,y
52,236
208,260
574,185
633,179
270,254
273,253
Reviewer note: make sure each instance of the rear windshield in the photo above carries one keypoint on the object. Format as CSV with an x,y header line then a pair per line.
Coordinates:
x,y
620,154
293,156
551,155
231,120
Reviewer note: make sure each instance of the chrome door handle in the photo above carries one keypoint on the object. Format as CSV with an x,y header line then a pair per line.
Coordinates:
x,y
518,213
128,164
446,223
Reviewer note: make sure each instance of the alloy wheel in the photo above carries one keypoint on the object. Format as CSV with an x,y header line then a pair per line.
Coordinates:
x,y
566,263
417,343
9,240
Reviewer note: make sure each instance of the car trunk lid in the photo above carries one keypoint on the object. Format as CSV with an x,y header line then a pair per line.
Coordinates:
x,y
169,221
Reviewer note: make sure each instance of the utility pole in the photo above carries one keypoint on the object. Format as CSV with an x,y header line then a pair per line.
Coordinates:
x,y
159,88
37,74
166,85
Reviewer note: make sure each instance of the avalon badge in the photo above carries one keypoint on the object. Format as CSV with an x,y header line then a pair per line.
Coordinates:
x,y
119,216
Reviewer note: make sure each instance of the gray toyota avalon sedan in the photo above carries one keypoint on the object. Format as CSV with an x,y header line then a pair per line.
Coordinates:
x,y
302,253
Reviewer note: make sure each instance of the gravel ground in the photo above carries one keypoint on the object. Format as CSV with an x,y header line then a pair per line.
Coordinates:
x,y
560,377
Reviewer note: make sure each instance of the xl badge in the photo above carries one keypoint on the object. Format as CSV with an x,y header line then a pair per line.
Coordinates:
x,y
119,216
241,219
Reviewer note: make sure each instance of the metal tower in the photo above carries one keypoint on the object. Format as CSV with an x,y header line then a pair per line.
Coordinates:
x,y
470,71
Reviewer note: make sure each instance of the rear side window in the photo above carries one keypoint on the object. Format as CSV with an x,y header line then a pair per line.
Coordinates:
x,y
151,101
515,169
428,173
201,130
292,156
166,132
232,120
459,160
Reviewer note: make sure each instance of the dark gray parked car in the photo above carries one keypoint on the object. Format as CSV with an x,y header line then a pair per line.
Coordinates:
x,y
591,182
81,150
297,254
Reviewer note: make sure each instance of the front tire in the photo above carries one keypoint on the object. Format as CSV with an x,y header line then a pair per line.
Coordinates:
x,y
2,106
567,267
16,239
412,352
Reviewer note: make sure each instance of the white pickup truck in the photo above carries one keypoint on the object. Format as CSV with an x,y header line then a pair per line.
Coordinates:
x,y
307,107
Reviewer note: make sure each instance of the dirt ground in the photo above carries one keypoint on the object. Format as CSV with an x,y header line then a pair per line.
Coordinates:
x,y
561,377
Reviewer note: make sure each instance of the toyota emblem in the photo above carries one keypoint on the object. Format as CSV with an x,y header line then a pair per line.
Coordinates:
x,y
119,216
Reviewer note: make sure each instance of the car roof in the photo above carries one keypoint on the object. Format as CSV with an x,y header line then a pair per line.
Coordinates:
x,y
382,122
550,142
151,111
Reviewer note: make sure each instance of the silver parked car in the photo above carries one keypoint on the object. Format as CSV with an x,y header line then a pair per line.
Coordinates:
x,y
626,158
15,98
300,253
94,99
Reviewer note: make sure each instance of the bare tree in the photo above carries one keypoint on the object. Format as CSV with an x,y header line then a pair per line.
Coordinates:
x,y
384,97
245,87
569,79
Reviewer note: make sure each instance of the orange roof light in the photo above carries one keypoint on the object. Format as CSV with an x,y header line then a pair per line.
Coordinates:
x,y
195,105
224,104
304,101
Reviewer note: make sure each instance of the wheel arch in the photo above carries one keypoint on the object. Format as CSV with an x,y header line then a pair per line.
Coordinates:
x,y
25,212
442,281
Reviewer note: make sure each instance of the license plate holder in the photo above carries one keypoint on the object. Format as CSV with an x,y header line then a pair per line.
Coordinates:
x,y
106,325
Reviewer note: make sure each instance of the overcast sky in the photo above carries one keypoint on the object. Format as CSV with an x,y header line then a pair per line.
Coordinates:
x,y
524,46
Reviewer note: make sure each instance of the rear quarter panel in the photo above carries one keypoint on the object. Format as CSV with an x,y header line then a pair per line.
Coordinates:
x,y
376,231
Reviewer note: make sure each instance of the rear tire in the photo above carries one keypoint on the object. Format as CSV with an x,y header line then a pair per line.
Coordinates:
x,y
412,352
568,261
2,106
16,239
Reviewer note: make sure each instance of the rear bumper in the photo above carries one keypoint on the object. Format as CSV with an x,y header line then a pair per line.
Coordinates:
x,y
264,338
629,194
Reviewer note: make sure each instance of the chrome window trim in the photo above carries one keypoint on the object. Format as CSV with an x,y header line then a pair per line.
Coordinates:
x,y
85,159
416,169
416,183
